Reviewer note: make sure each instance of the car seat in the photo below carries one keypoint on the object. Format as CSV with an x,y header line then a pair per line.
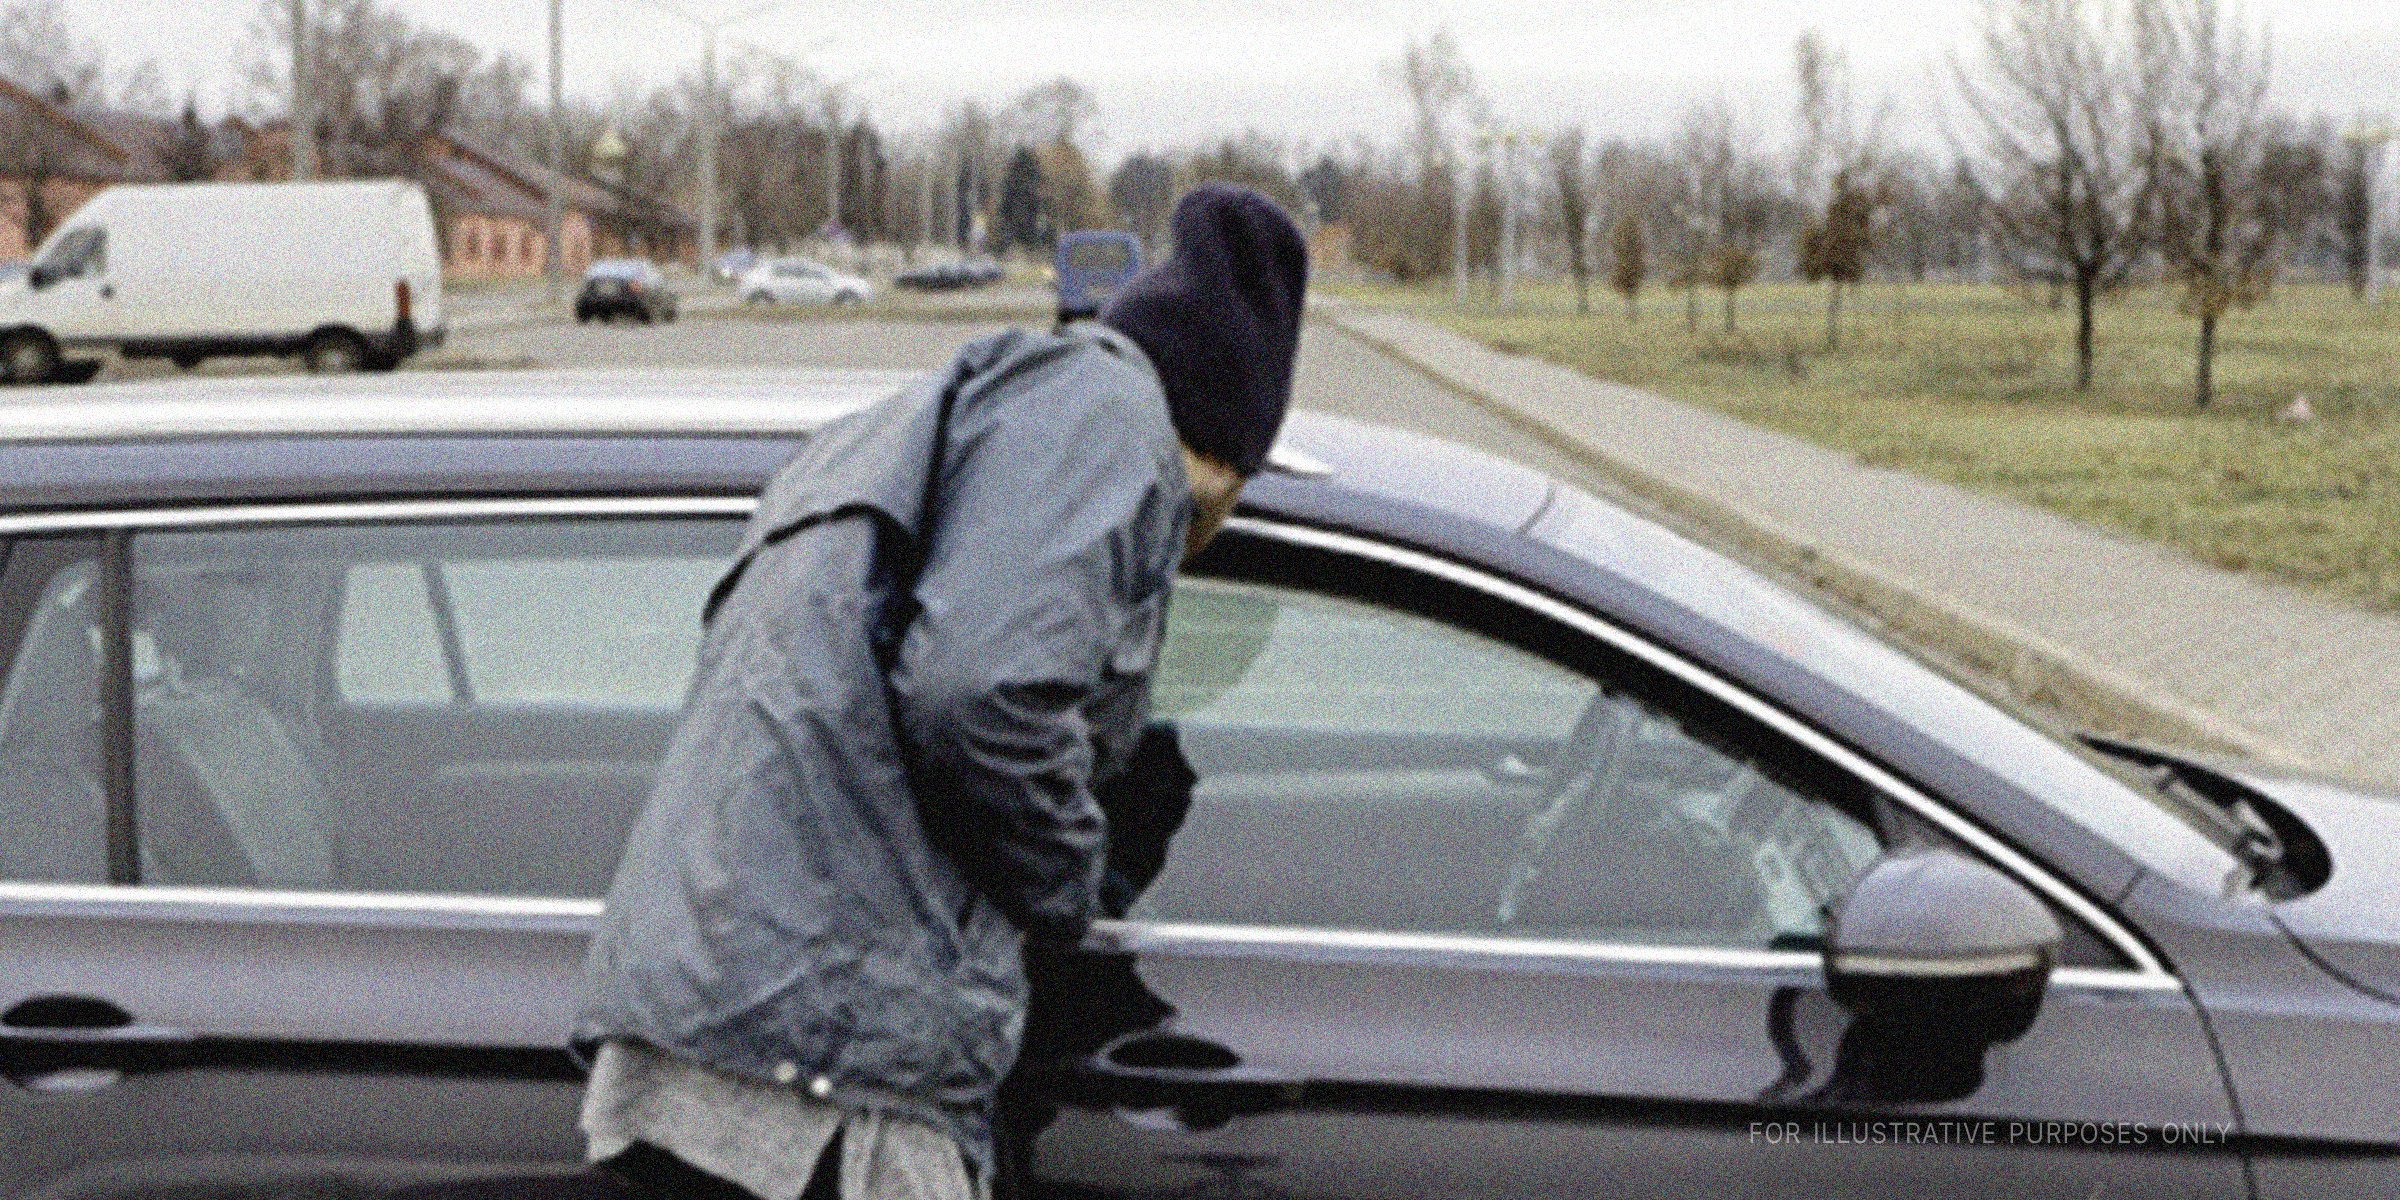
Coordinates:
x,y
228,795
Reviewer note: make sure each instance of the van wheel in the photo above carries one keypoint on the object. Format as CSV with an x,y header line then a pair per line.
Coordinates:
x,y
334,352
28,356
185,361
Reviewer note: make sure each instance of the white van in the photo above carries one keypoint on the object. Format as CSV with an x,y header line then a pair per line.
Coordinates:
x,y
347,276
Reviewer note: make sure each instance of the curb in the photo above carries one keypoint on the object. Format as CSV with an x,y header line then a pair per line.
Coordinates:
x,y
2035,668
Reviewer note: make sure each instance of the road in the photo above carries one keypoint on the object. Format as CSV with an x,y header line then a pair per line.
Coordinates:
x,y
1337,373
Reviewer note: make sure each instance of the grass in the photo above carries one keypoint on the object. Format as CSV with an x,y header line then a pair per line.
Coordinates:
x,y
1973,385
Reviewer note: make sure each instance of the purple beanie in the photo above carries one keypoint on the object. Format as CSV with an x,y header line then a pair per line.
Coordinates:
x,y
1220,319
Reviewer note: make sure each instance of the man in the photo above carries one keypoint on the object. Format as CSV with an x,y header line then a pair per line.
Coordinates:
x,y
935,644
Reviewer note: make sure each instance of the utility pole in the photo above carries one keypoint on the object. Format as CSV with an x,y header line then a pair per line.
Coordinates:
x,y
304,101
2370,140
557,264
713,106
834,145
1458,229
1509,172
709,121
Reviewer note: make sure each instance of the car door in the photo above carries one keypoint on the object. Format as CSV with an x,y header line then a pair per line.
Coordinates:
x,y
307,812
1478,896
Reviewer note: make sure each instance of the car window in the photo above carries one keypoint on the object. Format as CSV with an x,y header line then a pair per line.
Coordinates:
x,y
52,808
1365,768
470,708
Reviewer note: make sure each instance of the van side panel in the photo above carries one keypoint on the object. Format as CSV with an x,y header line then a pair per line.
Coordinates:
x,y
261,266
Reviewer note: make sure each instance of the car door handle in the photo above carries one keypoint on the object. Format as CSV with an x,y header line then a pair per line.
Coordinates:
x,y
48,1033
108,291
1151,1067
124,1048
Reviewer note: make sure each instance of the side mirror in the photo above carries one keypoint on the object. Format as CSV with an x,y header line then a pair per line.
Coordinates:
x,y
39,278
1931,940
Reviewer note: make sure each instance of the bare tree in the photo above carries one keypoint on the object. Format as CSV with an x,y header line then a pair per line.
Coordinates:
x,y
1629,263
1726,198
1142,190
40,50
1570,167
380,84
1251,159
2054,144
1433,75
187,150
1061,110
1836,164
2227,178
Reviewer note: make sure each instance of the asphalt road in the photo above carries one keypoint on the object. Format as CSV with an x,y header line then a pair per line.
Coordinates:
x,y
1337,373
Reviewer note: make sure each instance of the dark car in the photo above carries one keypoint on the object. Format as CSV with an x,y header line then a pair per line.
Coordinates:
x,y
949,276
1537,851
624,287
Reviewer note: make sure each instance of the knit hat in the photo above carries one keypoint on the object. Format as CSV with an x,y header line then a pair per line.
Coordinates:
x,y
1220,319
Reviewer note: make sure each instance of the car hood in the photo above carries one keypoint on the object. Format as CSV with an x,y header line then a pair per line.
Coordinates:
x,y
2351,925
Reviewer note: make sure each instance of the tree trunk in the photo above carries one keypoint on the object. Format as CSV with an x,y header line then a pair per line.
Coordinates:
x,y
1633,308
2086,287
1833,317
2206,385
1729,325
1691,308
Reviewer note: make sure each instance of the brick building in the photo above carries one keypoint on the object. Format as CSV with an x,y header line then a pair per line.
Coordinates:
x,y
492,207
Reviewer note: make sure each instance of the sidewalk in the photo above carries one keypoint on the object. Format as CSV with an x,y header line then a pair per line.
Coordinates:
x,y
2122,634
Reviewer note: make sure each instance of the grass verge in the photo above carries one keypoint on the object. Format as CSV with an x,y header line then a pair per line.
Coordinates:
x,y
1972,385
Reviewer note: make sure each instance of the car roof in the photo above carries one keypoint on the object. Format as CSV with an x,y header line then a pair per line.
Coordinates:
x,y
608,267
416,434
431,404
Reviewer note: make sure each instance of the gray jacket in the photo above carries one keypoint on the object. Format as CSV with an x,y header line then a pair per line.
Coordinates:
x,y
874,795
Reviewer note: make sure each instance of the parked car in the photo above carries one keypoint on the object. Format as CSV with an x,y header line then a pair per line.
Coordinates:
x,y
730,266
624,287
1090,265
343,276
1537,851
950,276
801,281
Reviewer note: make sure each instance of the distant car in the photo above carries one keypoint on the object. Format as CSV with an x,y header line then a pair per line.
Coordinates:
x,y
950,276
624,287
732,265
801,281
1091,265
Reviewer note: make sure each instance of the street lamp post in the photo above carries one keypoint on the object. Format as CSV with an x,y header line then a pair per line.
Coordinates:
x,y
555,265
304,105
2370,139
1509,171
1458,228
714,114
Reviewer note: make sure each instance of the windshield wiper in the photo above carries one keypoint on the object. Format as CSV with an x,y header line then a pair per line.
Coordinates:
x,y
2229,808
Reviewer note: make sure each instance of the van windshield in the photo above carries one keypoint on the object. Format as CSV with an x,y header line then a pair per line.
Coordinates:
x,y
82,251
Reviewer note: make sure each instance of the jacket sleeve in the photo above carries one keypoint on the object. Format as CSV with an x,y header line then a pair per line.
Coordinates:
x,y
1032,574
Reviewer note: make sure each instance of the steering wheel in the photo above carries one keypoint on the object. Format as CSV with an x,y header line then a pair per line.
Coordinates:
x,y
1673,865
1588,764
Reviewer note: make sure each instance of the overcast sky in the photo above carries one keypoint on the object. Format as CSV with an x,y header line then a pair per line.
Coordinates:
x,y
1169,72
